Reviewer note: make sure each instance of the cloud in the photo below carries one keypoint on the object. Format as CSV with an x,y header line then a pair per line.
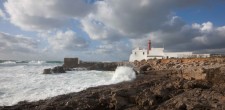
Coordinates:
x,y
10,43
140,21
57,47
114,51
2,14
114,20
176,35
108,48
136,18
115,26
97,30
205,27
45,15
67,40
195,37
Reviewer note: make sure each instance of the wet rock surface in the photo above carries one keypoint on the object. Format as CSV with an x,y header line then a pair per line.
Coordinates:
x,y
84,66
47,71
71,63
57,69
161,85
103,66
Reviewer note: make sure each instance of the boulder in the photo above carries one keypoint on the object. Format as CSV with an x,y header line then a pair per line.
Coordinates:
x,y
194,73
144,68
47,71
136,70
103,66
58,69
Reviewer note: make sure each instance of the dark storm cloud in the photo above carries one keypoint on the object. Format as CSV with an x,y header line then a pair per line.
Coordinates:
x,y
190,38
45,15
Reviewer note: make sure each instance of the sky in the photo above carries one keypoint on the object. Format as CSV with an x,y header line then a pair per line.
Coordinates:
x,y
108,30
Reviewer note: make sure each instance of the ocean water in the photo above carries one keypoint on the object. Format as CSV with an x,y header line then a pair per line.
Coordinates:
x,y
23,80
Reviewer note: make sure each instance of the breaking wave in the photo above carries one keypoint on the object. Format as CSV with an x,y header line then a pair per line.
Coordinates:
x,y
33,62
8,62
37,62
123,73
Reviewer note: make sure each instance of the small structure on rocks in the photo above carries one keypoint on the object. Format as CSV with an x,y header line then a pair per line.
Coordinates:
x,y
74,64
71,62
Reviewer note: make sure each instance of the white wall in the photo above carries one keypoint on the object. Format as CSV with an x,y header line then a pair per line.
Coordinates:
x,y
178,54
158,53
203,55
138,54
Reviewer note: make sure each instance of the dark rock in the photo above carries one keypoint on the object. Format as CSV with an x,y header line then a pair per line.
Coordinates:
x,y
118,102
181,106
144,68
47,71
103,66
58,69
136,71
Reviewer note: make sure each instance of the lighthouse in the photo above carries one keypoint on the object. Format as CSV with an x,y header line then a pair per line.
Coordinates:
x,y
158,53
149,46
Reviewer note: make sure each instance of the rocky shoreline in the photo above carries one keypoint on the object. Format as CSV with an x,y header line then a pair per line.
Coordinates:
x,y
182,84
71,64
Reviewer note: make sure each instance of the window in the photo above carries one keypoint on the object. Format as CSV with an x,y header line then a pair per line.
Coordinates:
x,y
143,53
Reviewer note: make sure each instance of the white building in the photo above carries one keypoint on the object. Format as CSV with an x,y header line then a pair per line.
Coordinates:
x,y
158,53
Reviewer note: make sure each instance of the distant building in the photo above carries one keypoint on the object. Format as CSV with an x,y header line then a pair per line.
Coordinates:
x,y
71,62
217,55
158,53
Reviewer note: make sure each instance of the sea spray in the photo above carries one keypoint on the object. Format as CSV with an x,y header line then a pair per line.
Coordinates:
x,y
37,62
25,81
8,62
123,73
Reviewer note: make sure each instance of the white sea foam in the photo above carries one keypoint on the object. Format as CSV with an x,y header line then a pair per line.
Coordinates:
x,y
9,62
36,62
26,82
123,73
